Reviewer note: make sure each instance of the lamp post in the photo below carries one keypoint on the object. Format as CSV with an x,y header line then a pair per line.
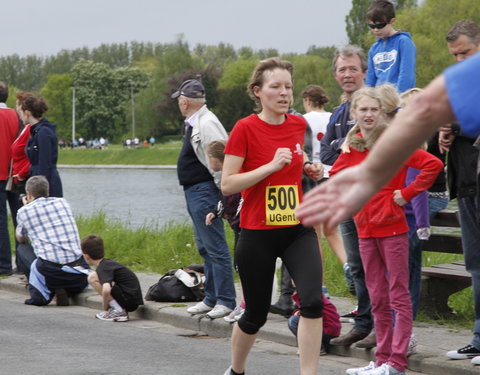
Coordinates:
x,y
73,115
133,110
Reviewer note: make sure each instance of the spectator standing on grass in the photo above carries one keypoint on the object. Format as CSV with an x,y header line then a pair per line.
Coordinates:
x,y
42,146
201,191
9,128
391,59
463,41
349,68
116,283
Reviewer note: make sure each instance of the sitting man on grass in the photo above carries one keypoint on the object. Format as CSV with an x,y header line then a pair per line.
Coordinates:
x,y
117,284
54,261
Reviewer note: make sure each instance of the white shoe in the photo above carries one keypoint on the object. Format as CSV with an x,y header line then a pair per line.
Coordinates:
x,y
199,308
219,311
412,346
228,371
358,370
383,370
476,360
235,315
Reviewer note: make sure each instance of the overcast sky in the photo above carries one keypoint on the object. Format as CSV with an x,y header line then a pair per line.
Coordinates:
x,y
46,27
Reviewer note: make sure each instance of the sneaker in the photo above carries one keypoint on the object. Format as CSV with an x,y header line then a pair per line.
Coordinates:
x,y
219,311
349,317
359,370
476,360
349,278
228,371
235,315
466,352
113,315
382,370
412,346
199,308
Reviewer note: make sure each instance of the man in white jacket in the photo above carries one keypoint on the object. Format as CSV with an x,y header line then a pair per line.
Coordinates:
x,y
200,185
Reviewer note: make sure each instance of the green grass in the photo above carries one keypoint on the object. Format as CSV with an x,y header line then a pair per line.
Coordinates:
x,y
158,250
163,154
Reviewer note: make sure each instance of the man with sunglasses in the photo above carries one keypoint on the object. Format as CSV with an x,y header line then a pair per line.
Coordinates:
x,y
391,59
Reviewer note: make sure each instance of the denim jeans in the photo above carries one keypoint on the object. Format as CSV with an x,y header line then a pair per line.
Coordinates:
x,y
414,264
211,244
5,249
25,256
363,320
471,250
435,205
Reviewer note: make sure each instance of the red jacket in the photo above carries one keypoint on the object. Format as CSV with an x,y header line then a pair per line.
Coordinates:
x,y
381,216
21,164
9,126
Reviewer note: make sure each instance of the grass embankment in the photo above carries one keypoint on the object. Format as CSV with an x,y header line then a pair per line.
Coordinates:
x,y
163,154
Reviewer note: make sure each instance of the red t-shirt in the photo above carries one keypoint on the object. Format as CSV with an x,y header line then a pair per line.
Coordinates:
x,y
21,164
270,203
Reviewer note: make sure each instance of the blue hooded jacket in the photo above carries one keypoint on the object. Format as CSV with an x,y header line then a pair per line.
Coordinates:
x,y
392,60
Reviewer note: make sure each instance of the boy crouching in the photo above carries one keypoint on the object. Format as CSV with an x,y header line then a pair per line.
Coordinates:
x,y
117,284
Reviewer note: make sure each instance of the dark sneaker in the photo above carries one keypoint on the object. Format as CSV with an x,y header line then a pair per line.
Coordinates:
x,y
113,315
466,352
349,317
349,338
368,342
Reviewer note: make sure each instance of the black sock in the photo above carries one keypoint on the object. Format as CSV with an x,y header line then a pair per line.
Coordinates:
x,y
236,373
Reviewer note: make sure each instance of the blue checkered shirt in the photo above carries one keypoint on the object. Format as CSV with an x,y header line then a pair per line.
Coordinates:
x,y
51,228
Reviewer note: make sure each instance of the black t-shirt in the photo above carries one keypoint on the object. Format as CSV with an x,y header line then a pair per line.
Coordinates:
x,y
108,270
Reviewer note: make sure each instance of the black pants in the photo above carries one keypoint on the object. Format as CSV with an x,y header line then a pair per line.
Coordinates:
x,y
256,255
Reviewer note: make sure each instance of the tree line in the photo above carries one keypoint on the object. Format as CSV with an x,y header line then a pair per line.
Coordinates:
x,y
106,77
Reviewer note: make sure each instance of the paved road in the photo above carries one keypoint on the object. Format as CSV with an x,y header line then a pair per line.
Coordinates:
x,y
69,340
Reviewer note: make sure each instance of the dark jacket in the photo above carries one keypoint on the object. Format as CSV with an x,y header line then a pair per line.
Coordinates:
x,y
462,166
337,129
42,151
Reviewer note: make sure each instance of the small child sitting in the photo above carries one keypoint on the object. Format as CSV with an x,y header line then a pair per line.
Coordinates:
x,y
116,283
331,322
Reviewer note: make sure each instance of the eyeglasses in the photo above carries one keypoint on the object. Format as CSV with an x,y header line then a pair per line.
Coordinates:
x,y
380,25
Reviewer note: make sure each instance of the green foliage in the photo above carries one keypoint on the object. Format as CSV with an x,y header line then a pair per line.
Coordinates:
x,y
316,70
58,94
165,154
102,96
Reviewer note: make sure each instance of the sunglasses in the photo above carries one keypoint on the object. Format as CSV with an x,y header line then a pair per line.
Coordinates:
x,y
380,25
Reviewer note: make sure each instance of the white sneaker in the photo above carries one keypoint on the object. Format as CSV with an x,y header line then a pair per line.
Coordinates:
x,y
358,370
219,311
412,346
235,315
199,308
476,360
383,370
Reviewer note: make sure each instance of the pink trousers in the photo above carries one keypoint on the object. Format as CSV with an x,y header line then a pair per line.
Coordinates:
x,y
385,260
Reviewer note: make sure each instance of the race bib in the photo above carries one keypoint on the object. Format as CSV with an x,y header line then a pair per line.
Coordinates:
x,y
281,202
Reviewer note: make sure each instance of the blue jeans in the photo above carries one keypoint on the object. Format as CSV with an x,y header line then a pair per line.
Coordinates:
x,y
363,320
435,205
5,249
414,264
211,245
471,250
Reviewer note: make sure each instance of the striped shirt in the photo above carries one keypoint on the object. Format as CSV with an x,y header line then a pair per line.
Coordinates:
x,y
51,228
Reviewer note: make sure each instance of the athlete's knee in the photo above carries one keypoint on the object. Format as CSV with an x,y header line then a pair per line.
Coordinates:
x,y
312,308
251,326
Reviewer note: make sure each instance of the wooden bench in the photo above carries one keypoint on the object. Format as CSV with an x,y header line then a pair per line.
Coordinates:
x,y
440,281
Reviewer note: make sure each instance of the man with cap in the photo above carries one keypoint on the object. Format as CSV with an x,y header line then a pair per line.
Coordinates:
x,y
200,185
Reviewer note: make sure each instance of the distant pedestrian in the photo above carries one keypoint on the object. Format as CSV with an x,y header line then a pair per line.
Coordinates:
x,y
116,283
